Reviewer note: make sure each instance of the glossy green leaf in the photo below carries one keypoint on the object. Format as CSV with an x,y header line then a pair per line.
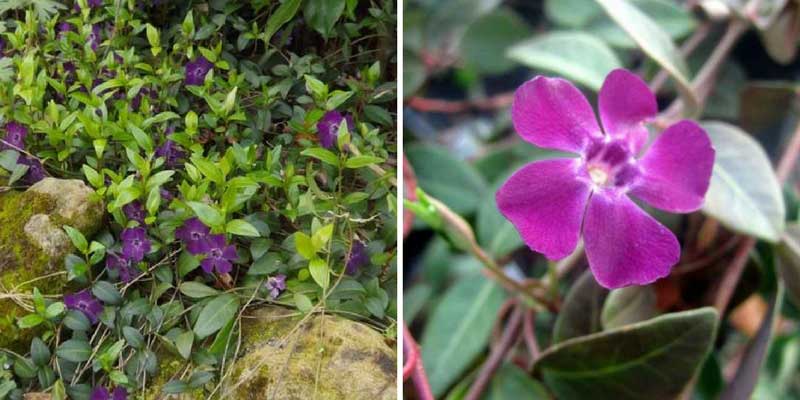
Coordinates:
x,y
581,313
241,227
75,350
654,359
565,53
208,214
323,14
511,382
216,314
279,17
789,262
628,305
320,272
453,181
486,41
323,155
197,290
744,194
458,330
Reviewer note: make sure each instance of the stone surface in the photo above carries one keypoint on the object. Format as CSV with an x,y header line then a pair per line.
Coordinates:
x,y
322,357
33,243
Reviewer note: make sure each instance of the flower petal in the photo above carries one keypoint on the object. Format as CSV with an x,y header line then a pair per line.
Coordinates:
x,y
545,202
554,114
625,104
624,245
676,169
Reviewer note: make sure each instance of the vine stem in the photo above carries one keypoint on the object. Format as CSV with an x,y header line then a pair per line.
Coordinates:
x,y
510,336
414,364
736,268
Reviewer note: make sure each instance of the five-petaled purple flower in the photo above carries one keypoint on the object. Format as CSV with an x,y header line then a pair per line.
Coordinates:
x,y
358,257
122,265
194,233
328,127
14,137
551,202
135,243
134,211
219,255
84,302
196,70
101,393
275,285
171,153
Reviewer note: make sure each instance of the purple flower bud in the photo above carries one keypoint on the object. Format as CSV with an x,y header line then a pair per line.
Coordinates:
x,y
219,255
275,285
15,137
135,244
197,70
84,302
193,233
171,153
63,28
359,257
134,211
328,127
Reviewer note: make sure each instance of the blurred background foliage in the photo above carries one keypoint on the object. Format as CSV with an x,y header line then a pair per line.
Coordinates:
x,y
733,62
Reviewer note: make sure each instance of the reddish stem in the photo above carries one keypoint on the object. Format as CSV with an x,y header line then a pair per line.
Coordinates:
x,y
497,355
499,101
414,364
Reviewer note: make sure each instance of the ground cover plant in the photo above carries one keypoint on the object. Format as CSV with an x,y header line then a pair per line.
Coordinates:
x,y
601,199
242,154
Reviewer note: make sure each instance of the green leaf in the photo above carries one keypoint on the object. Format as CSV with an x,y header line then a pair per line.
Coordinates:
x,y
564,53
323,155
187,263
655,359
451,180
744,194
216,314
197,290
362,161
629,305
77,239
654,42
107,292
789,262
304,246
494,232
511,382
322,236
486,41
581,312
184,343
320,272
302,302
209,215
283,14
242,228
323,14
458,329
75,350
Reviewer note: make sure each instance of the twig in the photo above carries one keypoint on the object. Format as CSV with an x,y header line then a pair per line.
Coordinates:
x,y
497,355
529,334
418,377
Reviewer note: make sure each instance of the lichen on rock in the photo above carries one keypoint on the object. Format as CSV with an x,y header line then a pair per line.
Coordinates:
x,y
284,356
33,244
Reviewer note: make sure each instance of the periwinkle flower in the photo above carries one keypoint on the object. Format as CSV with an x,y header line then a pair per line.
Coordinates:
x,y
94,38
171,153
2,47
552,202
219,255
14,137
166,195
63,28
135,243
194,233
101,393
275,285
35,171
359,257
328,127
86,303
123,267
134,211
197,70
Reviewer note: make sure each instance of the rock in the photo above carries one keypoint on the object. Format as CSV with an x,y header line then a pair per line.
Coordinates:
x,y
323,357
33,244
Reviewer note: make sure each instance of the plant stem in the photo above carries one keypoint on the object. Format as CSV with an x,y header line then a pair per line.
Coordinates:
x,y
497,355
418,376
686,49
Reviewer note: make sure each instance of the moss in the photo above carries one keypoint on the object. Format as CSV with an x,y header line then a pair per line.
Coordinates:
x,y
170,367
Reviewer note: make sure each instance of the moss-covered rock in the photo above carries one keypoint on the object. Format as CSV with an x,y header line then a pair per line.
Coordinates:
x,y
33,244
322,357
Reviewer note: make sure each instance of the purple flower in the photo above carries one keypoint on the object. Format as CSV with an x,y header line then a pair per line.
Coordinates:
x,y
275,285
14,137
123,266
84,302
94,37
196,70
134,211
2,47
171,153
119,393
219,255
166,195
358,257
193,233
551,202
63,28
101,393
135,243
35,170
328,127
